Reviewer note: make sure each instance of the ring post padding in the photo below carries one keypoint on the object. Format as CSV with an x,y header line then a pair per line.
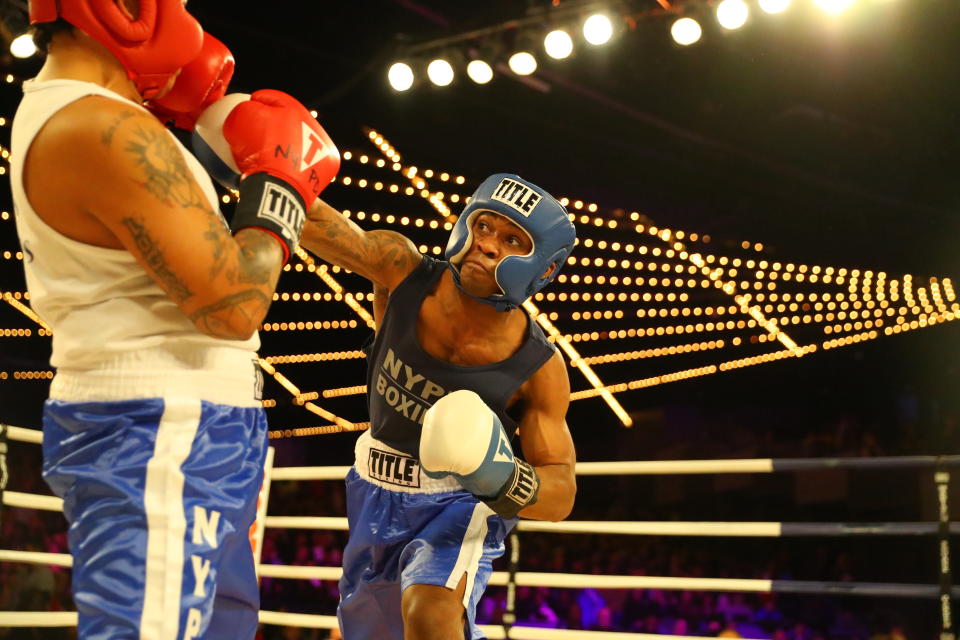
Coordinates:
x,y
510,611
3,466
942,481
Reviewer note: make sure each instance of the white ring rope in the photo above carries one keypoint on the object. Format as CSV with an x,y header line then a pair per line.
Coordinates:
x,y
37,557
313,621
310,473
38,619
499,578
24,435
32,501
306,522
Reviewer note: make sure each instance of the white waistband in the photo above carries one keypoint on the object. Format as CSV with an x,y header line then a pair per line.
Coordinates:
x,y
215,374
385,467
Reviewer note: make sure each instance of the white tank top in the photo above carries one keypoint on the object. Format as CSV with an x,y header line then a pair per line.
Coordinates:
x,y
116,333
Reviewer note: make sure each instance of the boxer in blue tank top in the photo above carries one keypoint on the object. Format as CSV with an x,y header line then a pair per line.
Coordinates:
x,y
436,486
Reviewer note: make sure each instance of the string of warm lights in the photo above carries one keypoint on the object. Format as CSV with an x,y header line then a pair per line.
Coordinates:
x,y
298,358
16,333
315,431
319,325
865,301
323,273
27,375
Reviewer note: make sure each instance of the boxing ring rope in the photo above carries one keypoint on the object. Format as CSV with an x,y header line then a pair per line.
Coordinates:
x,y
943,529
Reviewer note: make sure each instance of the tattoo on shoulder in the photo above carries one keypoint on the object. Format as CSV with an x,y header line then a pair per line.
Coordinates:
x,y
107,136
166,174
394,250
153,255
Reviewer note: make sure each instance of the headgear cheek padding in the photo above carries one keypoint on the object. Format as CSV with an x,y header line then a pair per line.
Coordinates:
x,y
535,211
152,47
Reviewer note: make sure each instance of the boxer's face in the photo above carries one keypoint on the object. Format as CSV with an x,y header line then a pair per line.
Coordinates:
x,y
494,237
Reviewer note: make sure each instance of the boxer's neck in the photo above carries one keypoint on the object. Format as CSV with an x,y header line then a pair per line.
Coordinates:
x,y
472,313
77,56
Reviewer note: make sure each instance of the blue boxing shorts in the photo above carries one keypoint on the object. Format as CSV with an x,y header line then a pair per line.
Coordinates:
x,y
405,529
160,494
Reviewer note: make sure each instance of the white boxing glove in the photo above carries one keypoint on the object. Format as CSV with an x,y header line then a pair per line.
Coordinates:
x,y
211,148
462,437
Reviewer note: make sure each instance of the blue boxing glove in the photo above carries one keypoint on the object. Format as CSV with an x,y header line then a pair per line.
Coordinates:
x,y
462,437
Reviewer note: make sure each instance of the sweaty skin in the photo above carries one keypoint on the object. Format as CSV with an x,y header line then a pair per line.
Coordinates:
x,y
454,327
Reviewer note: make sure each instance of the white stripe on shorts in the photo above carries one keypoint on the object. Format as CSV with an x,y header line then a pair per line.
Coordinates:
x,y
166,522
471,549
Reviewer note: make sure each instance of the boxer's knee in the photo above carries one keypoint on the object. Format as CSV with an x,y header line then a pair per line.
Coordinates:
x,y
433,612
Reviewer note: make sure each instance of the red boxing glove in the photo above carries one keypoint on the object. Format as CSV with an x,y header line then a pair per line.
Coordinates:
x,y
283,155
273,133
201,83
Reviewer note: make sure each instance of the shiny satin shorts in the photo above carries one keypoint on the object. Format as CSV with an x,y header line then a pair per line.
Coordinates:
x,y
160,495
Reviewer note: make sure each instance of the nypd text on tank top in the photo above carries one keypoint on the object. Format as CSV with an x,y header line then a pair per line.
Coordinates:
x,y
516,195
408,392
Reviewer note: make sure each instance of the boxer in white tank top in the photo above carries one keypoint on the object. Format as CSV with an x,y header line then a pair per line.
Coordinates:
x,y
154,433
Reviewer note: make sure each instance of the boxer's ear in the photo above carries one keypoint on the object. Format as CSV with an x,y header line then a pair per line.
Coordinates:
x,y
549,271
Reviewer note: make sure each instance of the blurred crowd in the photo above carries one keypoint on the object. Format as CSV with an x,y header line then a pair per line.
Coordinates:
x,y
26,587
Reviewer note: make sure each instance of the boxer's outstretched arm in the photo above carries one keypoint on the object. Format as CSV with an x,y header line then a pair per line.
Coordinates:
x,y
381,256
107,161
546,441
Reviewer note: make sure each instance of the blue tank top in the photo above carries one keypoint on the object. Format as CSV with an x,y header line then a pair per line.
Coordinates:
x,y
403,380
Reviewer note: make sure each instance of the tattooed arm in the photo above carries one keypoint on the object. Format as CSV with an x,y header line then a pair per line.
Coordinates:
x,y
383,257
106,173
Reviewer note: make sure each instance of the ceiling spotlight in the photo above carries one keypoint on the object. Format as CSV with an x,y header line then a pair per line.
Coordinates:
x,y
522,63
479,71
597,29
774,6
686,31
558,44
22,46
440,72
400,76
834,7
732,14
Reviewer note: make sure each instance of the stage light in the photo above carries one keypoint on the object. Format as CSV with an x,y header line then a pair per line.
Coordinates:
x,y
597,29
732,14
440,72
834,7
558,44
523,63
22,46
774,6
479,71
400,76
686,31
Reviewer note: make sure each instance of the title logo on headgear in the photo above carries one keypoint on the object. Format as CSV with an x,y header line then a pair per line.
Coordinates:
x,y
551,232
516,195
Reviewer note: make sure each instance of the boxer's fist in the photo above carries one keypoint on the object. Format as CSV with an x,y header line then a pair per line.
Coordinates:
x,y
201,83
273,133
462,437
281,155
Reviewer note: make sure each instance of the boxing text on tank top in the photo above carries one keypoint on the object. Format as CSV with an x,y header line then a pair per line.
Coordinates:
x,y
111,322
403,380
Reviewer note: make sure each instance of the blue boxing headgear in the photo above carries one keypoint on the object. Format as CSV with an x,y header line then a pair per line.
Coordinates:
x,y
533,210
